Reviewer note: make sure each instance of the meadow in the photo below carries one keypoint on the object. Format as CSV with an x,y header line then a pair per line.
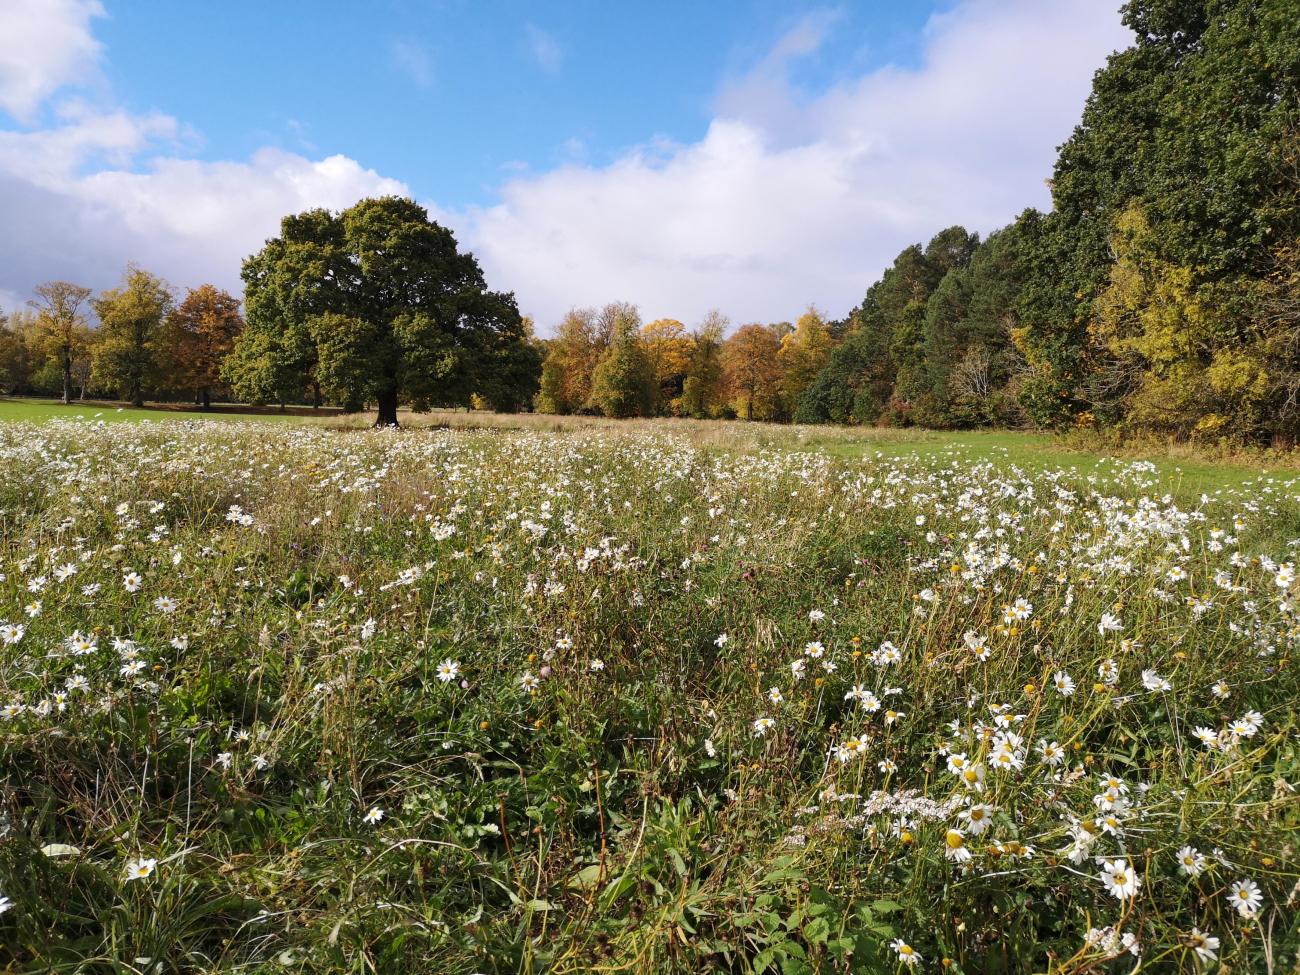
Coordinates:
x,y
553,695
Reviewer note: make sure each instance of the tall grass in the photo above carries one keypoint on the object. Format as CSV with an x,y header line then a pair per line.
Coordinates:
x,y
639,698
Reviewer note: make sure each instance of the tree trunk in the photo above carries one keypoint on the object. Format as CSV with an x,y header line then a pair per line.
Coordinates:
x,y
387,409
205,398
315,396
67,381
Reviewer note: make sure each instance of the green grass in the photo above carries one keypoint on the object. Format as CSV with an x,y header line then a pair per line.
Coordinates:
x,y
1034,452
460,700
33,410
1038,452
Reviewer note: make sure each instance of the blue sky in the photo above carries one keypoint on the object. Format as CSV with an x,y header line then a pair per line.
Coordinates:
x,y
753,156
450,96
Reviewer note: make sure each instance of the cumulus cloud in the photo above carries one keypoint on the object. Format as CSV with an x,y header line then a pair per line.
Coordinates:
x,y
794,197
44,45
790,197
96,186
83,208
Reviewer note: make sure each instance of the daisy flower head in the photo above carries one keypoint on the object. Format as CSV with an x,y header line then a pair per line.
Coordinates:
x,y
1205,945
1051,752
1120,879
1191,861
979,816
1245,896
373,816
1247,725
907,955
141,869
955,849
448,670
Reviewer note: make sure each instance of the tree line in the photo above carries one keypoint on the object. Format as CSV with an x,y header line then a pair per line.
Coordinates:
x,y
373,306
147,342
1160,293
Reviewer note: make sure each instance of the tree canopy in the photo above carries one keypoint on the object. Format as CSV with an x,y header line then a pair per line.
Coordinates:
x,y
373,304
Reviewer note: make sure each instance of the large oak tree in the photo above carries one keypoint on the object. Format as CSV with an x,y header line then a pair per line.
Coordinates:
x,y
376,304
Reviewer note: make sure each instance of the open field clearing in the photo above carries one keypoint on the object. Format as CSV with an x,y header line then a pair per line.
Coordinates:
x,y
290,698
32,410
1178,470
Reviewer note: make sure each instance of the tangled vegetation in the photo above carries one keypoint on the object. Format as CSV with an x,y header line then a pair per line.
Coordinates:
x,y
294,699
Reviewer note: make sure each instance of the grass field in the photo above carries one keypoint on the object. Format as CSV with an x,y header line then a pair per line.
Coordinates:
x,y
642,697
40,410
1031,451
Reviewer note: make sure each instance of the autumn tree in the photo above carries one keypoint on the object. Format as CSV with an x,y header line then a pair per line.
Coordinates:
x,y
129,341
704,389
13,355
623,383
753,374
803,353
668,348
375,303
201,332
61,329
572,356
22,355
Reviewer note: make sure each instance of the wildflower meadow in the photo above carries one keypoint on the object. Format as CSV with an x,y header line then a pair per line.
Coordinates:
x,y
285,698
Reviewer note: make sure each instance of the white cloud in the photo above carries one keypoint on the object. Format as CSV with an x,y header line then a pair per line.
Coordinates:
x,y
98,187
792,197
188,220
545,49
44,45
414,61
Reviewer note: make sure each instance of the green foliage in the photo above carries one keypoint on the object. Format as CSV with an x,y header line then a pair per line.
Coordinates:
x,y
623,384
704,389
627,816
129,343
1067,318
1194,126
375,304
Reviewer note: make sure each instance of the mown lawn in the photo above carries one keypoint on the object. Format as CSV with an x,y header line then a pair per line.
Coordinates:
x,y
39,410
1037,452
